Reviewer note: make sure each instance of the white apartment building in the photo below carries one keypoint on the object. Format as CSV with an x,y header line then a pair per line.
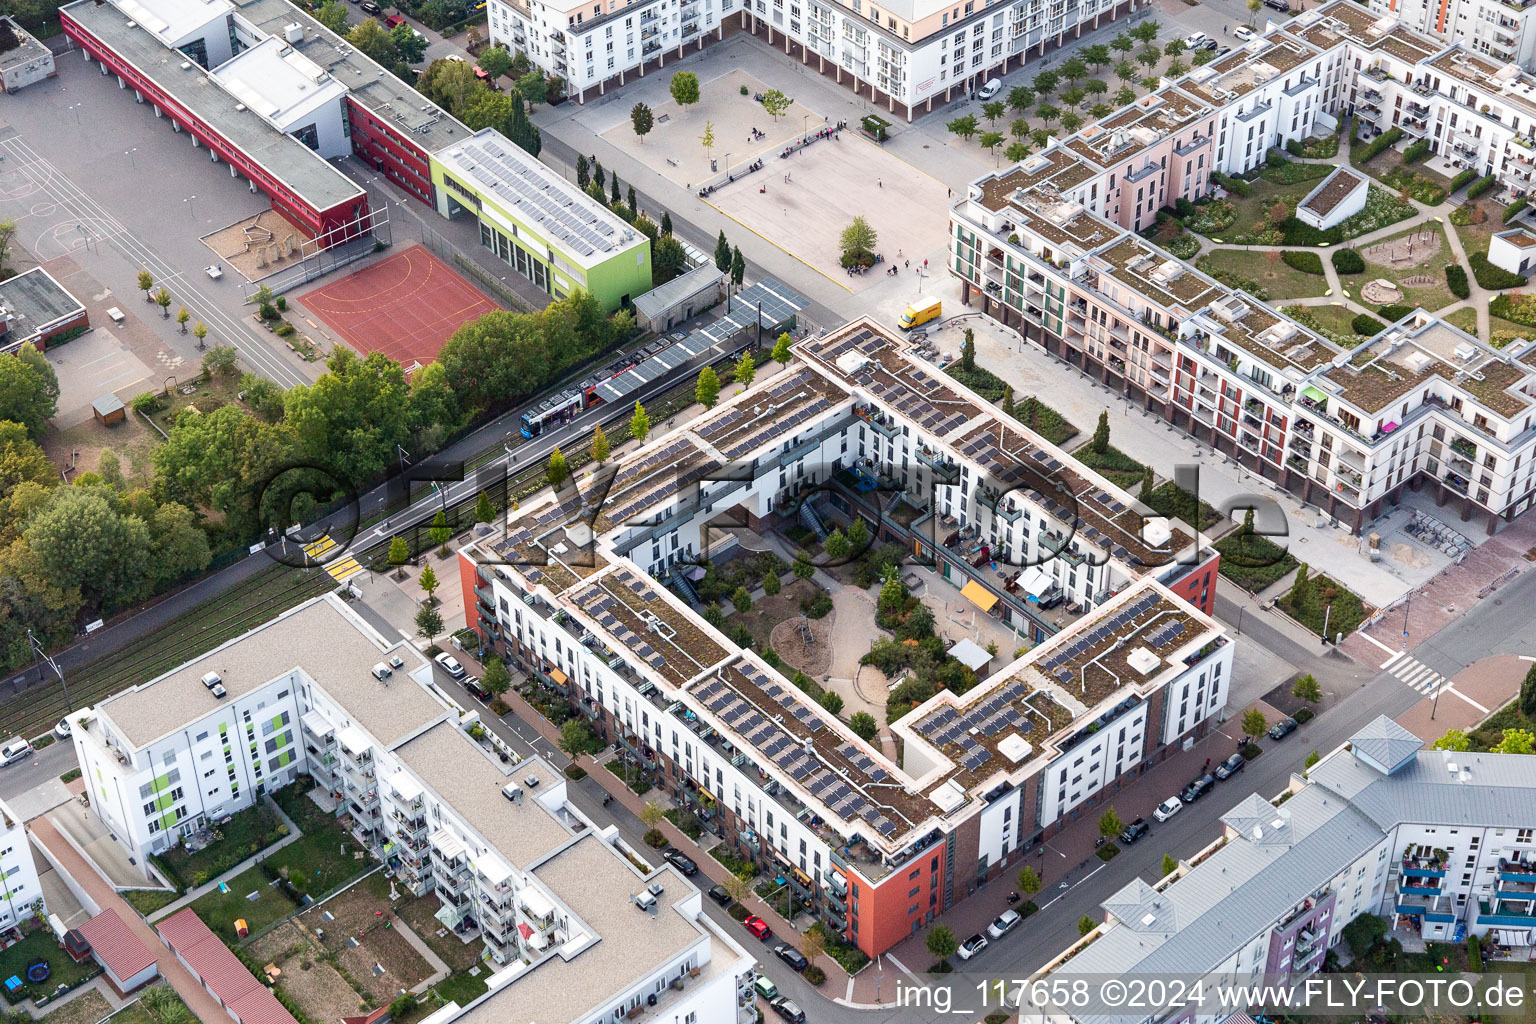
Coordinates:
x,y
904,55
21,896
1125,670
513,863
1500,29
1047,247
1443,843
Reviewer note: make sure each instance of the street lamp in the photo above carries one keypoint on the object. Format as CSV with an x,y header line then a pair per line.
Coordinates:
x,y
191,210
129,154
76,108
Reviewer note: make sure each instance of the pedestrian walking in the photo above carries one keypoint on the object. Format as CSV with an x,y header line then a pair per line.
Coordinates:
x,y
879,183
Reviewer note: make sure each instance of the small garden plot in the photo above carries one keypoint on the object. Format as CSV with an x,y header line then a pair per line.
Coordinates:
x,y
325,856
250,896
246,833
1113,464
39,944
1171,500
359,926
417,912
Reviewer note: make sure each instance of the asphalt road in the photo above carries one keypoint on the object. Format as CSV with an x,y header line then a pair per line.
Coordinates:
x,y
48,763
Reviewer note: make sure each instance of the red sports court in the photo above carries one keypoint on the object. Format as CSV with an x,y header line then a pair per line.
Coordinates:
x,y
405,306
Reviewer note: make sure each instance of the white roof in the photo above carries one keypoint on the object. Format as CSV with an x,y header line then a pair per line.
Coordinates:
x,y
970,654
279,83
173,20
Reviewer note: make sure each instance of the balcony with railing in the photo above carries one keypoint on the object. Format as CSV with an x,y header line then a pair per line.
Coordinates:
x,y
1423,867
1456,482
1517,870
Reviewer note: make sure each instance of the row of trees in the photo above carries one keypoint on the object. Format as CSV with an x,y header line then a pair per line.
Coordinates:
x,y
452,85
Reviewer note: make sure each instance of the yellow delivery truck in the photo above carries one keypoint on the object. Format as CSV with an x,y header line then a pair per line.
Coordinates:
x,y
920,311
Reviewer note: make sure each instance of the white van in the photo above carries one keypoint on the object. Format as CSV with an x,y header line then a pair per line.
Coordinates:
x,y
992,88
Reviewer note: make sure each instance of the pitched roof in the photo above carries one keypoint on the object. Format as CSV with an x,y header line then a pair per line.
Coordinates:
x,y
115,945
221,971
1385,745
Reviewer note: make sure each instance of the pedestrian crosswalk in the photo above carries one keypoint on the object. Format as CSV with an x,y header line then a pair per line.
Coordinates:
x,y
1416,674
327,553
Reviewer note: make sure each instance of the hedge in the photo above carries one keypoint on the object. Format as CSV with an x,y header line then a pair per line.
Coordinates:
x,y
1456,280
1464,178
1348,261
1513,209
1491,277
1395,312
1377,145
1294,232
1233,185
1416,152
1306,262
1480,186
1367,325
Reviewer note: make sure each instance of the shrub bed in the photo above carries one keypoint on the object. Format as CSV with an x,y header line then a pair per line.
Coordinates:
x,y
1367,325
1513,209
1306,715
1289,173
1302,260
1425,190
1462,180
1113,464
1456,280
1236,186
980,380
1212,217
1493,278
1170,500
1321,147
1184,246
1348,261
1252,561
1348,611
1520,309
1416,152
1044,420
1232,279
1395,312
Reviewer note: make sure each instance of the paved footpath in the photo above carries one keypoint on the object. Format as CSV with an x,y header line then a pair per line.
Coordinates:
x,y
203,1006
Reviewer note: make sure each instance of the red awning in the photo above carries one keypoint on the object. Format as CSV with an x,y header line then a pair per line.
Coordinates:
x,y
524,930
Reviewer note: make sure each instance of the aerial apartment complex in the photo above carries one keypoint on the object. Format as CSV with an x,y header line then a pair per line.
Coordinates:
x,y
1049,247
579,593
276,96
572,929
21,895
905,55
1440,842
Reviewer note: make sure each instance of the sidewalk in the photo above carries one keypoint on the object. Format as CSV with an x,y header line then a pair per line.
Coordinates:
x,y
1066,859
1426,609
1473,692
203,1006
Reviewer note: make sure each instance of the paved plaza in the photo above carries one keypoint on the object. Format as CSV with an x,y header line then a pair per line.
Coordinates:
x,y
674,147
828,184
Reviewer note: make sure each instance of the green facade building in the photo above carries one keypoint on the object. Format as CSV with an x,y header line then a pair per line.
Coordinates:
x,y
541,225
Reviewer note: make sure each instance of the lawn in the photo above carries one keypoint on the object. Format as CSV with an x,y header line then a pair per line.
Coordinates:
x,y
1278,278
1474,237
246,833
220,910
1431,296
1044,420
1253,210
418,913
39,944
1113,465
1252,561
1466,319
147,901
326,854
1171,500
1348,611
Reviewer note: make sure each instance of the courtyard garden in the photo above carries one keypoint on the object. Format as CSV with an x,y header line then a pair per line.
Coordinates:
x,y
38,944
246,833
1268,275
1414,261
1319,602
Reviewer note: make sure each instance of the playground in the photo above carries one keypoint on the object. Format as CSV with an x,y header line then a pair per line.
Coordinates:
x,y
803,203
405,306
259,245
674,149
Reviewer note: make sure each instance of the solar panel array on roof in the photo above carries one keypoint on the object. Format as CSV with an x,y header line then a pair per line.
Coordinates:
x,y
539,196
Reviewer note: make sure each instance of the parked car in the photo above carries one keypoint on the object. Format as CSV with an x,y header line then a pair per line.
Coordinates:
x,y
1197,788
681,861
720,896
1244,34
1006,922
971,946
765,987
1134,831
787,1009
1278,5
1168,808
1196,40
758,927
992,88
14,751
480,693
792,956
393,20
62,730
1283,728
1231,766
448,663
